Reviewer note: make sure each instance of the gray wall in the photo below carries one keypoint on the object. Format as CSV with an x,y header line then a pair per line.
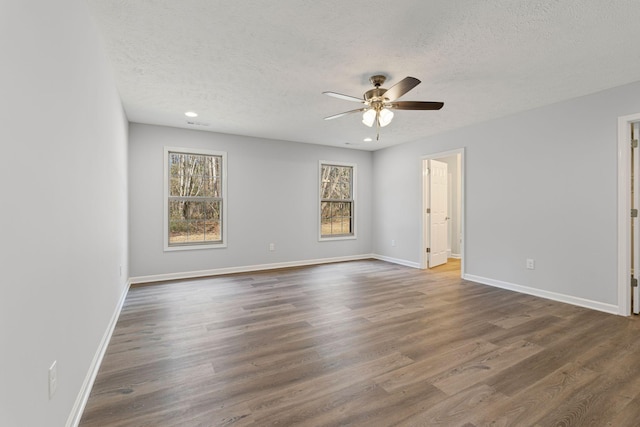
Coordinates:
x,y
272,198
540,184
64,209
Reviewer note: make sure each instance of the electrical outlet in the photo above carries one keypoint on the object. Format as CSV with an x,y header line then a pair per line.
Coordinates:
x,y
272,247
53,378
531,265
393,242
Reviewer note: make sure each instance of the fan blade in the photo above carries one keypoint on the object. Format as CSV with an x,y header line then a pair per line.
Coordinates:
x,y
335,116
345,97
400,88
415,105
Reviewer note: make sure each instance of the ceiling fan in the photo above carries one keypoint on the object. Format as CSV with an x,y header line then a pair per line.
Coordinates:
x,y
378,102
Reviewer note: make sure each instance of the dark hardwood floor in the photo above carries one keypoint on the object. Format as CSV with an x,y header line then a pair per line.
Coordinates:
x,y
362,343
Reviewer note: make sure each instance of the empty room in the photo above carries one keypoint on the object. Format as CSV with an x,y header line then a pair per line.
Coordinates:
x,y
328,213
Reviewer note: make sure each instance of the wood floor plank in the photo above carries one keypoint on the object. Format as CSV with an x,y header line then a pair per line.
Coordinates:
x,y
362,343
526,407
314,395
457,410
484,367
439,363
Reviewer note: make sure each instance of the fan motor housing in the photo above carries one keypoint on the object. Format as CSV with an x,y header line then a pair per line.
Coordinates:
x,y
376,94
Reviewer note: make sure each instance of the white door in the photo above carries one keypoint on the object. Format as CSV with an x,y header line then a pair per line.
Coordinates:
x,y
635,171
438,216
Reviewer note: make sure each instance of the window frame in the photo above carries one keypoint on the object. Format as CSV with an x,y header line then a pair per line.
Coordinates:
x,y
223,189
353,201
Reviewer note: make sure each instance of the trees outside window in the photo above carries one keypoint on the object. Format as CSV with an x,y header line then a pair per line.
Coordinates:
x,y
337,200
195,190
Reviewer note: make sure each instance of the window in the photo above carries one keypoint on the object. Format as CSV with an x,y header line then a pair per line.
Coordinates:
x,y
337,200
195,191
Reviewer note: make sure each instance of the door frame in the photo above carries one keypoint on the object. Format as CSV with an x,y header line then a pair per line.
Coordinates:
x,y
425,202
624,209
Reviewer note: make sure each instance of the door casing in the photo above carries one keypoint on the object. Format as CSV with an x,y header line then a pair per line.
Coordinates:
x,y
425,202
624,209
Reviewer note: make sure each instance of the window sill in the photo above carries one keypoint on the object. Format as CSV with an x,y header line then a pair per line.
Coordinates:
x,y
194,247
330,239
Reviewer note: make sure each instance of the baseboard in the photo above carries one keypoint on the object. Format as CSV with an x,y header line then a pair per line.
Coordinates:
x,y
581,302
243,269
396,261
455,256
85,391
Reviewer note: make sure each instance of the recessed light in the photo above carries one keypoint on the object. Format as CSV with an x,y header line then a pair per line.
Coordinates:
x,y
191,114
367,140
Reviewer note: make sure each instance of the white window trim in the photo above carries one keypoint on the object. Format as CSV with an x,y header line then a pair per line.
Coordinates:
x,y
354,186
165,222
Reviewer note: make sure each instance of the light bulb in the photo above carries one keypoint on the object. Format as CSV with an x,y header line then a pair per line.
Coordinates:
x,y
369,117
385,117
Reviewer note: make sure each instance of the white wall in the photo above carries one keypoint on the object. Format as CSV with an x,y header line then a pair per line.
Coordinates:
x,y
272,198
63,214
540,184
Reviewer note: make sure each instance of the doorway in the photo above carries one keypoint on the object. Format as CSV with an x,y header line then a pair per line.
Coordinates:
x,y
443,209
628,219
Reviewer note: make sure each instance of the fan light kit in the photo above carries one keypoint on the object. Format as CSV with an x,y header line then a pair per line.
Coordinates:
x,y
380,101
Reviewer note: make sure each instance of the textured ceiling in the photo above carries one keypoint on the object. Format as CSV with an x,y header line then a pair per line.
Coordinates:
x,y
259,68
